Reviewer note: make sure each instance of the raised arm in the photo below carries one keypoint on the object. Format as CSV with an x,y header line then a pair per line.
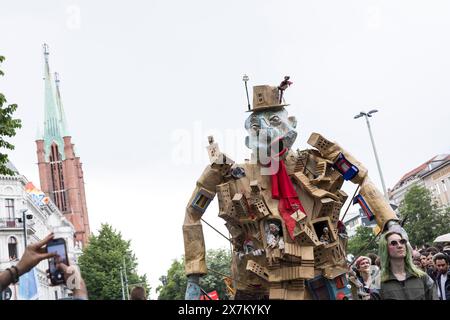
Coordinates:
x,y
370,198
194,243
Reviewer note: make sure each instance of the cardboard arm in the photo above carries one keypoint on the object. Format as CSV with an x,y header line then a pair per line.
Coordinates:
x,y
194,243
354,171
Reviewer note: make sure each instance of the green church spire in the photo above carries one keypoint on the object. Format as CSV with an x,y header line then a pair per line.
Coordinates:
x,y
62,115
54,123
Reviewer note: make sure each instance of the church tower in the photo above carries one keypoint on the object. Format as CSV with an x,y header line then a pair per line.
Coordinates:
x,y
60,169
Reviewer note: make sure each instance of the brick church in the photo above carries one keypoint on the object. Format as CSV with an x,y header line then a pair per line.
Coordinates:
x,y
60,169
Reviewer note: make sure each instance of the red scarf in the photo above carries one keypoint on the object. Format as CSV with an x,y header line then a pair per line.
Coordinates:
x,y
284,191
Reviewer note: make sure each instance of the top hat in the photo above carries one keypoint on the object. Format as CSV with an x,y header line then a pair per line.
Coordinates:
x,y
266,97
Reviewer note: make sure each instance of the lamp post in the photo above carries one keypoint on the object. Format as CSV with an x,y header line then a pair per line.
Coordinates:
x,y
121,282
24,224
245,79
126,278
368,115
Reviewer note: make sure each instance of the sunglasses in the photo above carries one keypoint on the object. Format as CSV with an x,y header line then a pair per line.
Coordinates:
x,y
395,243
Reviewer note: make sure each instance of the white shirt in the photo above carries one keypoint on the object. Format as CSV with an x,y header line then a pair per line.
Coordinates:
x,y
442,286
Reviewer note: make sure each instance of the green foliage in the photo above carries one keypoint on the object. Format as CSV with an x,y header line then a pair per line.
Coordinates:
x,y
424,220
357,244
175,282
101,261
8,127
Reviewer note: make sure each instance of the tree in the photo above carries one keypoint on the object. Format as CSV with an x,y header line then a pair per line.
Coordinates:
x,y
174,283
8,127
357,244
423,219
101,262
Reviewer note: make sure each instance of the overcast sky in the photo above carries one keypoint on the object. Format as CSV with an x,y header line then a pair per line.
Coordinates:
x,y
144,83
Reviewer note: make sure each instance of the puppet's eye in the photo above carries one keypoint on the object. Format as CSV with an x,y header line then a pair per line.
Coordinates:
x,y
275,120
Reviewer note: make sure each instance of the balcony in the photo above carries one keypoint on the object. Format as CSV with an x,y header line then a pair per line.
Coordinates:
x,y
10,223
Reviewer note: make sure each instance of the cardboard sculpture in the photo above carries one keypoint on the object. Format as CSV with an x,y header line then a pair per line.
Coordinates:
x,y
281,209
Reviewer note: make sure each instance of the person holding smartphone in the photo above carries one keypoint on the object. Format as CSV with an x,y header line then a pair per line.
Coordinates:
x,y
35,253
60,272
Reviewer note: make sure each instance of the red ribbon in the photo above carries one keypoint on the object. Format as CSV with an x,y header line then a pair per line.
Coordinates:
x,y
284,191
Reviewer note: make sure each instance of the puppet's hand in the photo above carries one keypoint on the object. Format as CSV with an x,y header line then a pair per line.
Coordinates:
x,y
193,291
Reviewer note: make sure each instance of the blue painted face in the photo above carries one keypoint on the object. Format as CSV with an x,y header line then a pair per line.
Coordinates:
x,y
271,132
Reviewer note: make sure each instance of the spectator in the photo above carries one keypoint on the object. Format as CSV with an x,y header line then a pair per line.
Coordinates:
x,y
373,258
416,254
430,269
34,253
423,260
378,263
368,288
441,260
138,293
432,250
74,282
400,278
416,259
446,250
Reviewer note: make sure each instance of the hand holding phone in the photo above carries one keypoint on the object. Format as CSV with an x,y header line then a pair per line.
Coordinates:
x,y
57,246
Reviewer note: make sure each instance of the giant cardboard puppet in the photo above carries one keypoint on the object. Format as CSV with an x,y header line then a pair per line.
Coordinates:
x,y
281,209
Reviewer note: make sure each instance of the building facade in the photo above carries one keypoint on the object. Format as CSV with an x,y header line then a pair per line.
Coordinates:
x,y
433,175
60,169
16,196
355,219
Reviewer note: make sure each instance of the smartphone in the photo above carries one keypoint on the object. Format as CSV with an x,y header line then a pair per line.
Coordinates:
x,y
59,247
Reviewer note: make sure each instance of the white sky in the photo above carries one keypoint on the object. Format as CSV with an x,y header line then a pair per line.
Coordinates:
x,y
144,83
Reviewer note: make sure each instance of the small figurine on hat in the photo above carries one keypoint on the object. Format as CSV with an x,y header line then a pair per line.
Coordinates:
x,y
283,86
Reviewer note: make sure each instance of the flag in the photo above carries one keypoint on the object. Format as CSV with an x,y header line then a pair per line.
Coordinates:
x,y
213,295
28,286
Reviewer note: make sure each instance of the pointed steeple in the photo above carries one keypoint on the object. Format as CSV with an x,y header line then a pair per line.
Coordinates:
x,y
39,134
62,115
52,123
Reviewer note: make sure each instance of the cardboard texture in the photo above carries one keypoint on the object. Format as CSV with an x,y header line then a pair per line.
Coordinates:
x,y
266,97
291,273
333,272
331,150
223,197
288,290
257,269
319,223
194,248
278,269
304,182
240,205
306,236
380,207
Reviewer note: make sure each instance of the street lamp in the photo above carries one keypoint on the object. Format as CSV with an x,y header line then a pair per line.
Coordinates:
x,y
245,79
367,116
24,221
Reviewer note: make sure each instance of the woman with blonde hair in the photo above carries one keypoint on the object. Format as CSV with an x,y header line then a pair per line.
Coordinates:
x,y
368,281
400,278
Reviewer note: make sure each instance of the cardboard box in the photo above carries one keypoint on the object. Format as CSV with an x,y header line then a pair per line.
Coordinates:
x,y
291,273
257,269
304,182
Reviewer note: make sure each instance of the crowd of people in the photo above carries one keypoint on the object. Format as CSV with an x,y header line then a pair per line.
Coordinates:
x,y
401,272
